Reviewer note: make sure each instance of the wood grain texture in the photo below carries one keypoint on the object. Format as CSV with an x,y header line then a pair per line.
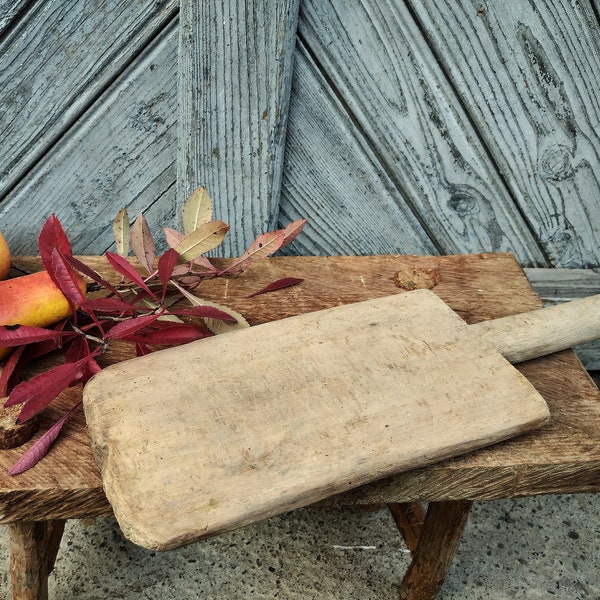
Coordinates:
x,y
56,61
523,337
278,416
562,285
409,518
375,60
442,530
122,154
554,286
33,548
234,83
562,457
528,73
334,179
10,11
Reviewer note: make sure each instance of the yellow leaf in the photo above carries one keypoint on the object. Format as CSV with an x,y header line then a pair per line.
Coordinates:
x,y
201,240
197,210
121,232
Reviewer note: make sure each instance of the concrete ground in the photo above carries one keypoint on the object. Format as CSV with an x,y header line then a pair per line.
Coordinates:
x,y
542,547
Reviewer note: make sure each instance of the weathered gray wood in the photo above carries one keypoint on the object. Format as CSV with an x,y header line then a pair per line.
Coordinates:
x,y
332,177
56,62
529,74
121,154
235,75
10,10
375,59
562,285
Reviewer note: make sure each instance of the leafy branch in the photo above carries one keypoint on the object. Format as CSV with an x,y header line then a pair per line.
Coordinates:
x,y
143,309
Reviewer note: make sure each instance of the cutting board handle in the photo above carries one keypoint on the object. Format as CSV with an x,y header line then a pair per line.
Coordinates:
x,y
537,333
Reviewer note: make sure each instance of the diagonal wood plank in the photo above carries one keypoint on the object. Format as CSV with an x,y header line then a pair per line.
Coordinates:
x,y
334,179
10,10
376,61
235,76
529,75
56,61
122,154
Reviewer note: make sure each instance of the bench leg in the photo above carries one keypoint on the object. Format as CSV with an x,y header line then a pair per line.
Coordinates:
x,y
33,547
434,550
409,518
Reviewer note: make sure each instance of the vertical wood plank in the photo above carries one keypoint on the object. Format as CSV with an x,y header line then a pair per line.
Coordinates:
x,y
529,74
235,64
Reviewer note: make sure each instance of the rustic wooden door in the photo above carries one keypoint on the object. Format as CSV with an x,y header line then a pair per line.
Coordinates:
x,y
393,126
413,126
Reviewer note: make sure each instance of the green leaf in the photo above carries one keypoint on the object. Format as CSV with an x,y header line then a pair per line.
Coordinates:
x,y
201,240
197,210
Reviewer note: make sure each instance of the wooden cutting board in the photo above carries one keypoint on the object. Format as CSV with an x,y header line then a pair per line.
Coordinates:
x,y
210,436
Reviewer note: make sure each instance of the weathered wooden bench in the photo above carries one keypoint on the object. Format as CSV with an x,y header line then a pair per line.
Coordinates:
x,y
561,457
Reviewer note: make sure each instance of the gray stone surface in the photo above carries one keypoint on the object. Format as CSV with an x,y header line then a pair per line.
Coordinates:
x,y
545,547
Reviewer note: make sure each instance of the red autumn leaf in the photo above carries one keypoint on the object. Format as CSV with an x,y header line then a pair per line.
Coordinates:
x,y
78,350
142,349
41,446
111,306
66,279
93,275
9,369
177,334
292,231
278,285
166,264
38,349
130,326
209,312
40,390
89,370
142,243
123,266
52,236
19,335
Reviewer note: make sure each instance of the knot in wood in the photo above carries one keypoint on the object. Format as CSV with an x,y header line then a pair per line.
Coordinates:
x,y
417,279
463,203
555,163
